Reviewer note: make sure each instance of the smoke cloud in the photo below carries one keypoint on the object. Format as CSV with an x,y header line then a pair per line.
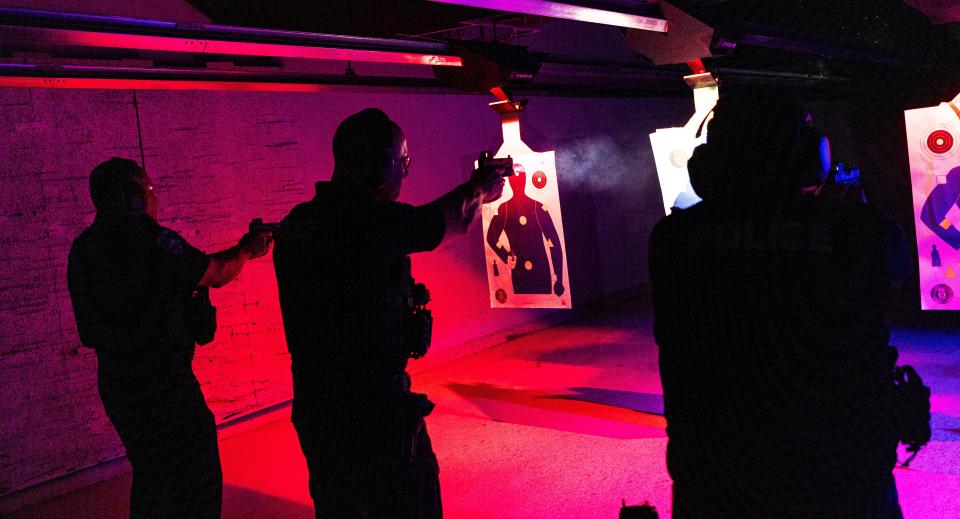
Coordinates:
x,y
602,165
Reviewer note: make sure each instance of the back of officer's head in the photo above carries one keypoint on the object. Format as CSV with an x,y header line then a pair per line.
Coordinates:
x,y
113,183
361,148
751,148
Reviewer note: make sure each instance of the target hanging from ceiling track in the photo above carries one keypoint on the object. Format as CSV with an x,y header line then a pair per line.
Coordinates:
x,y
526,255
933,138
673,147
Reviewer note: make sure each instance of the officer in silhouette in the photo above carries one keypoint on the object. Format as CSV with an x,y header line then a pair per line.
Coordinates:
x,y
134,286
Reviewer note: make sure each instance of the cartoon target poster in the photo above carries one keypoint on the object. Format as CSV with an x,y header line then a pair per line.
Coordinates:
x,y
526,255
933,141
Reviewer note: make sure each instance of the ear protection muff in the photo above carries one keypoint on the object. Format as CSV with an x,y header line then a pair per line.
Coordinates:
x,y
810,155
702,167
134,196
380,168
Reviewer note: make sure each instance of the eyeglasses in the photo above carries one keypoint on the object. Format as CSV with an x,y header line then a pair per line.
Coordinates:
x,y
405,162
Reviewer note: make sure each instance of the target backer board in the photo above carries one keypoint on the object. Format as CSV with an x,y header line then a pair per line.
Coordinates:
x,y
524,246
933,141
672,148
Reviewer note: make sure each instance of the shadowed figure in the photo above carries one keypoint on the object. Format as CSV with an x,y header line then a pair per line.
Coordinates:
x,y
526,224
136,289
347,299
769,309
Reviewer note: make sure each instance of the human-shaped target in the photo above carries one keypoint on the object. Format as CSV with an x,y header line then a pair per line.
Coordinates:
x,y
933,139
523,232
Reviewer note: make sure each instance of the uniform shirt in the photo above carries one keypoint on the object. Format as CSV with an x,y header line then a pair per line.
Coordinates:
x,y
130,281
339,261
769,319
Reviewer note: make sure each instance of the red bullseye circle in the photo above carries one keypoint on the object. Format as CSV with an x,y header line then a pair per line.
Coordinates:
x,y
940,141
539,180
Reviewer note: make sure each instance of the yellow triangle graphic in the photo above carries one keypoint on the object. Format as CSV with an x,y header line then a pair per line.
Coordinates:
x,y
549,243
951,273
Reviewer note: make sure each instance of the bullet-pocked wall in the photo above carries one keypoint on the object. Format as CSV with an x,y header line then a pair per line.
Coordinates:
x,y
221,158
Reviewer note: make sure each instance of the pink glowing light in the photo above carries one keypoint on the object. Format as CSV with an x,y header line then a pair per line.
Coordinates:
x,y
567,11
157,84
221,47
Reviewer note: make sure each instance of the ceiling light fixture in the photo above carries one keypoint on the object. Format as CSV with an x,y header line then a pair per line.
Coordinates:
x,y
23,29
567,11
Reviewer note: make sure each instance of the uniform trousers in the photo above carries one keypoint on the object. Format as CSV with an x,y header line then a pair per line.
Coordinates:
x,y
170,437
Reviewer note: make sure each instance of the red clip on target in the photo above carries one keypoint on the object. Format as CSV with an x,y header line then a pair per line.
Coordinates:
x,y
539,180
939,141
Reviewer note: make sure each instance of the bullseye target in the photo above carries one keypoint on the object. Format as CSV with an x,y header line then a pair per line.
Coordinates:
x,y
539,180
939,142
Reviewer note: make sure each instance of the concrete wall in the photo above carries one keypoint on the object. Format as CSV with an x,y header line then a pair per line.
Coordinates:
x,y
222,158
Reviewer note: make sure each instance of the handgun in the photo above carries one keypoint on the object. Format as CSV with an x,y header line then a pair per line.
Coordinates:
x,y
257,225
504,166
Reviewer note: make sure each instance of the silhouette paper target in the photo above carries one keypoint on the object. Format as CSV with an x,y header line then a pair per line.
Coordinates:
x,y
523,237
673,147
933,140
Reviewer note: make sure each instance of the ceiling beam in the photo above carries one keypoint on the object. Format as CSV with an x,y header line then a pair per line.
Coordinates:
x,y
568,11
28,30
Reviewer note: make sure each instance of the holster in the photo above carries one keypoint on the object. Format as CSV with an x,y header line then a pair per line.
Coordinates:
x,y
911,406
201,316
413,407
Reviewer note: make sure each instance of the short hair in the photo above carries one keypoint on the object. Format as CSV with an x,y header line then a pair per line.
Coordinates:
x,y
360,147
756,122
112,183
752,147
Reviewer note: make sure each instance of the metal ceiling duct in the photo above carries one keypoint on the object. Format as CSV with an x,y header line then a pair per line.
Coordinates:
x,y
592,12
31,30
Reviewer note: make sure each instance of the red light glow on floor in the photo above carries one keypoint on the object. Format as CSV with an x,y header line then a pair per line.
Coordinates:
x,y
562,423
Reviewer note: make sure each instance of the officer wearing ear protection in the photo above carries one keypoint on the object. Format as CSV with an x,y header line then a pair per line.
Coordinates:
x,y
132,283
769,317
343,272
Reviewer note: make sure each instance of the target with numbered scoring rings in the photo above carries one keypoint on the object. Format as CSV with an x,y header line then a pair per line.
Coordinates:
x,y
940,142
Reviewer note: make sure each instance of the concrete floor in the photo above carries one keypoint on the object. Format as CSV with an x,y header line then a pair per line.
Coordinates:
x,y
561,423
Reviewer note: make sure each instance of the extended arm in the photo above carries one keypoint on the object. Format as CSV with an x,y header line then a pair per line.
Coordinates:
x,y
461,205
226,265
